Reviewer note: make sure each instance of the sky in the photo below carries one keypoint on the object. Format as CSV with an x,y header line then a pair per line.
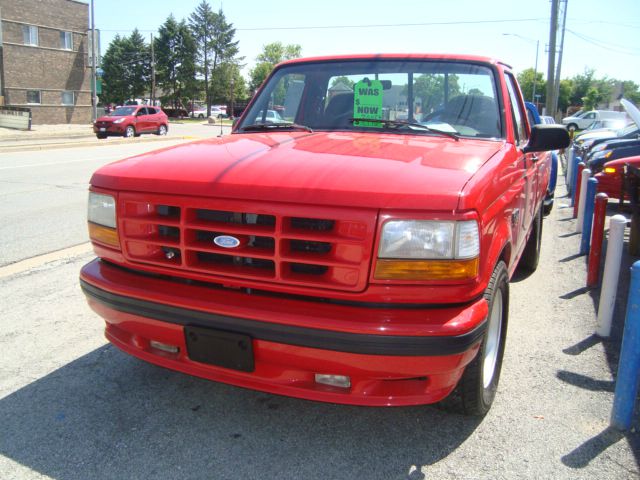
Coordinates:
x,y
601,35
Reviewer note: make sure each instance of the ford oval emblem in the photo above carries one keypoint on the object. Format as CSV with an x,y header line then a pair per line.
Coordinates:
x,y
226,241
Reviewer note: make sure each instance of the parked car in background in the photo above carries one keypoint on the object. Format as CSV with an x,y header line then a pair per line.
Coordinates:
x,y
132,120
613,149
611,177
547,120
583,120
587,140
201,112
176,112
271,117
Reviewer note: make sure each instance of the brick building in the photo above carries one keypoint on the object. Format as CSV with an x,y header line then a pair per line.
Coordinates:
x,y
43,59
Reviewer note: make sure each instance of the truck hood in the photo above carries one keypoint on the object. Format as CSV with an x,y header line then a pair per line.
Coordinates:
x,y
322,168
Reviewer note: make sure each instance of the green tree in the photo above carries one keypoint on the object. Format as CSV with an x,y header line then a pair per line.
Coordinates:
x,y
564,95
631,91
591,100
137,57
215,43
272,54
344,81
175,50
127,68
114,89
225,51
526,81
581,85
430,89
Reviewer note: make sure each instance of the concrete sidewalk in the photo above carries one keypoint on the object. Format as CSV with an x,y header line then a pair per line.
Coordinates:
x,y
44,137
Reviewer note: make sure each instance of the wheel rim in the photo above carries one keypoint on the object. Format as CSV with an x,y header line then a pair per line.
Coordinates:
x,y
129,132
492,346
163,130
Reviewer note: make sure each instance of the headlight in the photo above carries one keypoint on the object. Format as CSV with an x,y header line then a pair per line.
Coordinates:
x,y
120,120
428,250
101,215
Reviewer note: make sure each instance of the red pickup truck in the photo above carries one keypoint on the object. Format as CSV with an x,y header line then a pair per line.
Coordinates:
x,y
355,249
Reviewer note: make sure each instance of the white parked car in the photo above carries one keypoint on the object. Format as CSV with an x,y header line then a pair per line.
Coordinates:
x,y
584,119
271,117
201,112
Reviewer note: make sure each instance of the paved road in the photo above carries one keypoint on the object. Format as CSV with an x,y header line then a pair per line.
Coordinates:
x,y
44,193
73,407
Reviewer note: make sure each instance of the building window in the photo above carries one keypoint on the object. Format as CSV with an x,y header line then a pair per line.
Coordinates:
x,y
66,40
30,35
68,97
33,96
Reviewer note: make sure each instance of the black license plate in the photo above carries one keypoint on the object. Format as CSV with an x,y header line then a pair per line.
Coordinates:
x,y
217,347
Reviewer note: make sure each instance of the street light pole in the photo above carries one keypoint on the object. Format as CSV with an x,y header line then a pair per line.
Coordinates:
x,y
535,75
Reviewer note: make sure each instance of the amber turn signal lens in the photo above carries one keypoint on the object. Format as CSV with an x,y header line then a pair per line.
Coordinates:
x,y
105,235
609,170
426,269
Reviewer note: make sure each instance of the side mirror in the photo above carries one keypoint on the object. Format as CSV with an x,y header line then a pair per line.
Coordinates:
x,y
547,137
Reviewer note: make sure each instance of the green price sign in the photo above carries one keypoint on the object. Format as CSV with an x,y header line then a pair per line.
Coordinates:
x,y
367,102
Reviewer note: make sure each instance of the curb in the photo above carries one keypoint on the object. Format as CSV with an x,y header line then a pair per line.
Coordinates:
x,y
59,145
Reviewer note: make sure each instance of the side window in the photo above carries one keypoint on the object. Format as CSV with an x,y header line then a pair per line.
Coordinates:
x,y
517,112
142,111
590,116
30,35
66,40
33,96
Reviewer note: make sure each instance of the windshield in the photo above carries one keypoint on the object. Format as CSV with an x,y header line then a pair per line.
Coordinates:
x,y
122,111
395,96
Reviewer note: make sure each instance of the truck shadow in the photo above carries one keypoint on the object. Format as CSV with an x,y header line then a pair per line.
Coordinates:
x,y
108,415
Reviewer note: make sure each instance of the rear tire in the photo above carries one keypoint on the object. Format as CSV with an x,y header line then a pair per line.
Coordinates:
x,y
162,130
477,388
101,136
531,255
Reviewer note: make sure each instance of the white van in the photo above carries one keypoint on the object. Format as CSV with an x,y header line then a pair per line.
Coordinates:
x,y
584,119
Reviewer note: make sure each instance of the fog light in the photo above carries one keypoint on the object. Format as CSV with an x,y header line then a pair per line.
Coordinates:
x,y
164,347
341,381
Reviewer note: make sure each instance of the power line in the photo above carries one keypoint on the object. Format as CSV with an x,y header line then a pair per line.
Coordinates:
x,y
623,49
380,25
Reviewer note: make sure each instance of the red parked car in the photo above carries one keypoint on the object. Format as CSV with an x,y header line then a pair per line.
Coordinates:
x,y
132,120
610,178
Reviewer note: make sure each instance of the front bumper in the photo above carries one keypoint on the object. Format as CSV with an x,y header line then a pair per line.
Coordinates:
x,y
393,356
111,129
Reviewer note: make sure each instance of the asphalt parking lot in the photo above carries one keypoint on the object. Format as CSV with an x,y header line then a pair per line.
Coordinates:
x,y
74,407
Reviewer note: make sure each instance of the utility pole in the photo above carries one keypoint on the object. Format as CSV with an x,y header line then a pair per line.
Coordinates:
x,y
153,74
94,96
550,103
556,86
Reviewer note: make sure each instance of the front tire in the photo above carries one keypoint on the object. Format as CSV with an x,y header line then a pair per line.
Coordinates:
x,y
130,132
477,387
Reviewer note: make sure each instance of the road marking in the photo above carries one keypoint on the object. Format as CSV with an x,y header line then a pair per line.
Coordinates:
x,y
33,262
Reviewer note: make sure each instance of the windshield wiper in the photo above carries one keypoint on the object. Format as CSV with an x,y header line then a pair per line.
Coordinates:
x,y
275,126
403,123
